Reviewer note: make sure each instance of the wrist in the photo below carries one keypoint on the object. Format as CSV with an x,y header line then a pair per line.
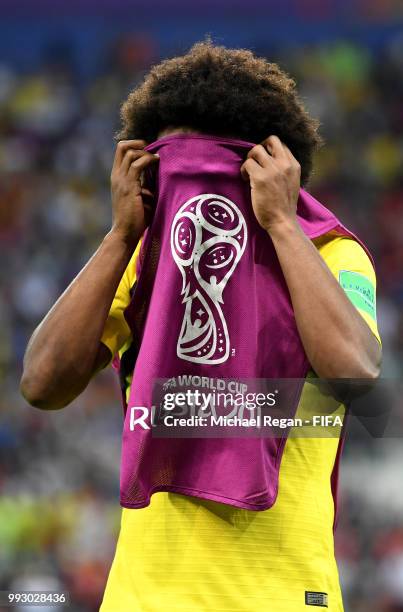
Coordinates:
x,y
283,227
122,240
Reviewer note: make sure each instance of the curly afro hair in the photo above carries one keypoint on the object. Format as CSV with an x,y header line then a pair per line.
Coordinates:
x,y
225,92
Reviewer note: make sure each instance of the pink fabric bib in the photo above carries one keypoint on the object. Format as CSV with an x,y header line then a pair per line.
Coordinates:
x,y
210,300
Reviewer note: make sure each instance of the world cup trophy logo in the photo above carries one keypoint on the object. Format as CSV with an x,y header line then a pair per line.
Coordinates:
x,y
208,238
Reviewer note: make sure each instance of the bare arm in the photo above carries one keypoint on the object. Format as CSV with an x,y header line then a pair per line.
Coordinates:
x,y
336,339
65,350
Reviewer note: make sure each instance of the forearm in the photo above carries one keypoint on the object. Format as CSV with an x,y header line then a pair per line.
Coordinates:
x,y
336,339
61,355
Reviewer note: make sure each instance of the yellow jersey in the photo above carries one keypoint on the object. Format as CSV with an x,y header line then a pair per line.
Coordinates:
x,y
186,554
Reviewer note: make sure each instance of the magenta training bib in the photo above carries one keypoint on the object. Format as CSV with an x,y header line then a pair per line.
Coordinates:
x,y
210,300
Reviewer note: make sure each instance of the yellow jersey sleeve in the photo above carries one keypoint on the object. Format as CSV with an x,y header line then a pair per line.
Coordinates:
x,y
117,332
352,268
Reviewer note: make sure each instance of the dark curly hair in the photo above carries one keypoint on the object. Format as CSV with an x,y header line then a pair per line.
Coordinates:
x,y
226,92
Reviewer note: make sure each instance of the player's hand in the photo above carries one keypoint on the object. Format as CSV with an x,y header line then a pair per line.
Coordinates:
x,y
131,202
274,176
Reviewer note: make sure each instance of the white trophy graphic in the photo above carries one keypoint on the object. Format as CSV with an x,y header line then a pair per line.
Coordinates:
x,y
208,238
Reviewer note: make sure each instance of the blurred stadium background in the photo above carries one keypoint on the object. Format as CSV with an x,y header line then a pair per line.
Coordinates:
x,y
63,73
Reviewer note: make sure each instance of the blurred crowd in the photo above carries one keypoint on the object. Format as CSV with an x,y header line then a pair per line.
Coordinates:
x,y
59,512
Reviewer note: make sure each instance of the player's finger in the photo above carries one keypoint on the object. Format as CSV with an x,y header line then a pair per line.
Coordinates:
x,y
260,155
249,168
130,156
146,193
275,147
138,165
123,146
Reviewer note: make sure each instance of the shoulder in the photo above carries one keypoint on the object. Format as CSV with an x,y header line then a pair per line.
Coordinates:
x,y
350,265
344,253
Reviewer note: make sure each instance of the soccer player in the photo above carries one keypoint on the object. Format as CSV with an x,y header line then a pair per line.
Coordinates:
x,y
183,552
